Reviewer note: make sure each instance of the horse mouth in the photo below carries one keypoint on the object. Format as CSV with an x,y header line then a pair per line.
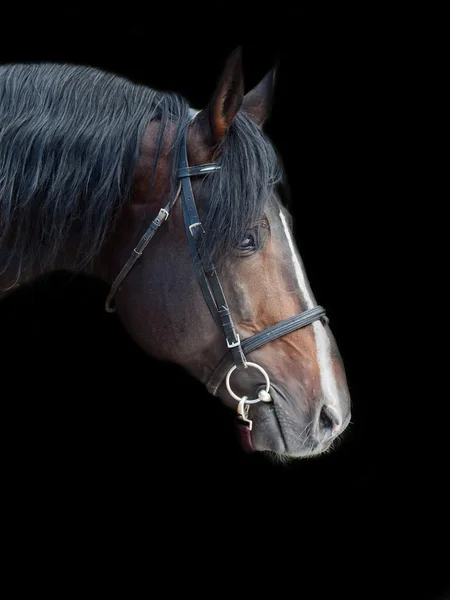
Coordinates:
x,y
275,432
266,434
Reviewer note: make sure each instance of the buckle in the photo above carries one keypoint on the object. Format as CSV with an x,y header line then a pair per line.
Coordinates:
x,y
234,344
191,227
163,212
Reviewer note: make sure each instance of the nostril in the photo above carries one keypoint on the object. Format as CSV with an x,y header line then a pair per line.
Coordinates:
x,y
325,421
329,419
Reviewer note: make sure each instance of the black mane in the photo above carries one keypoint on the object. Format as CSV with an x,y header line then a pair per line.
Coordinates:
x,y
69,142
237,194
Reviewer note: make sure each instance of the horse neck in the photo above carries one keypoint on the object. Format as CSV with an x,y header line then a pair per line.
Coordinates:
x,y
14,276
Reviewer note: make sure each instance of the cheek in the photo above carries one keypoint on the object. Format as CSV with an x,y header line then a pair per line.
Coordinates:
x,y
240,299
166,316
260,290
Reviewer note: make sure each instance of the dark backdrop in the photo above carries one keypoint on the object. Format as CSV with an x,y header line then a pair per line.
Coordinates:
x,y
105,443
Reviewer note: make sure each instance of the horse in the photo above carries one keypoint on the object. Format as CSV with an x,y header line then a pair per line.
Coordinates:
x,y
181,212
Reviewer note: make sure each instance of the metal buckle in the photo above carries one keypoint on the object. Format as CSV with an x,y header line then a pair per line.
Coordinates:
x,y
164,212
191,227
234,344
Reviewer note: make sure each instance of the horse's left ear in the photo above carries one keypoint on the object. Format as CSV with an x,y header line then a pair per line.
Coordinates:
x,y
225,102
258,102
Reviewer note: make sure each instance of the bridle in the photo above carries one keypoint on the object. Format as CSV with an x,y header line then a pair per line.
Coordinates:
x,y
214,296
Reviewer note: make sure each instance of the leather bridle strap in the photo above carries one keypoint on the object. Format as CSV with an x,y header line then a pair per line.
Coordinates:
x,y
264,337
137,252
206,272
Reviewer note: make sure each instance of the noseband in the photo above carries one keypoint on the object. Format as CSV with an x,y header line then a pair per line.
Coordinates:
x,y
213,294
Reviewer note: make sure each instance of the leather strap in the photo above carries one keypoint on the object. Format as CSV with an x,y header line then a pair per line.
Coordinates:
x,y
198,170
206,272
264,337
137,252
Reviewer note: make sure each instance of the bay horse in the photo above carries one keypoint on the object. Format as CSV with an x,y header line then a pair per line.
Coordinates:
x,y
94,168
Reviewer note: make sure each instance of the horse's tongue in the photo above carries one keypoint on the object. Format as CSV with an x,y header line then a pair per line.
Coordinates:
x,y
245,436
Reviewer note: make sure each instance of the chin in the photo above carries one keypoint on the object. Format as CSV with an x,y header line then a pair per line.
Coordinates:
x,y
283,438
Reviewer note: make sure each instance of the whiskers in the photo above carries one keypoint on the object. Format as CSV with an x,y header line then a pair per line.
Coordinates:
x,y
301,441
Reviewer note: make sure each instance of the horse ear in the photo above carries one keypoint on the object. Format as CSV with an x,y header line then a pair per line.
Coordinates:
x,y
226,100
258,102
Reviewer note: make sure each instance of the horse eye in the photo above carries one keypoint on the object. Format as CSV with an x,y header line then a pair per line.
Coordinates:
x,y
249,241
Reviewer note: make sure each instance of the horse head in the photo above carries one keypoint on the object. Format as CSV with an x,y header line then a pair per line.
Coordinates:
x,y
247,241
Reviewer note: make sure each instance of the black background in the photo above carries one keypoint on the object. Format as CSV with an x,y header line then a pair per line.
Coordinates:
x,y
106,448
